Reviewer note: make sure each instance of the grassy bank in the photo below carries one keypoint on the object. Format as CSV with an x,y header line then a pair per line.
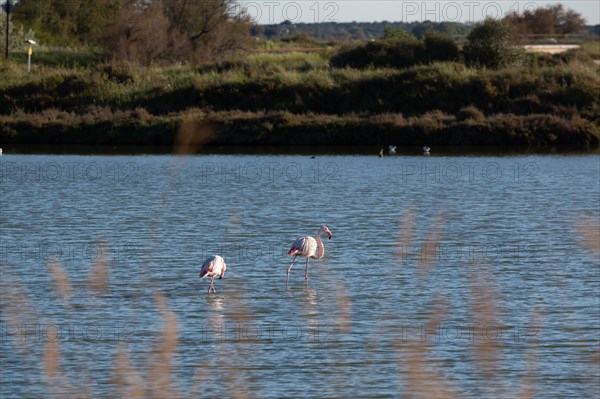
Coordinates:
x,y
300,99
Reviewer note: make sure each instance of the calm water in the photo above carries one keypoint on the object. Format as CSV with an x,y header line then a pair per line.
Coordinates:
x,y
444,272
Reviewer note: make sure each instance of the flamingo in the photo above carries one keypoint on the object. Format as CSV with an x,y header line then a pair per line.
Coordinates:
x,y
381,153
392,149
307,247
213,266
426,150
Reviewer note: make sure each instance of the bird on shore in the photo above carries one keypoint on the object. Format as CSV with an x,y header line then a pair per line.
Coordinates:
x,y
213,266
426,150
307,247
381,153
392,149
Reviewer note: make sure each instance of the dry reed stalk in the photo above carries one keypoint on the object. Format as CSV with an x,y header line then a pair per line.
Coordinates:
x,y
202,374
192,135
16,309
345,308
589,230
61,281
127,379
407,227
52,359
54,377
487,346
160,368
431,245
528,383
98,276
230,373
421,379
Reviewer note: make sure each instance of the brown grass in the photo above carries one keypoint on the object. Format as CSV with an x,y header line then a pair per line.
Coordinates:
x,y
52,359
487,346
407,227
161,371
98,276
192,135
421,377
61,281
431,246
589,230
345,308
528,381
16,307
127,379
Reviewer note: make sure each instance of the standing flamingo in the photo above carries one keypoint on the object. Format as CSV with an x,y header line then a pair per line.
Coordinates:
x,y
307,247
213,266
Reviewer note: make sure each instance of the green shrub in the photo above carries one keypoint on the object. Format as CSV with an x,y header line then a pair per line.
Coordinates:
x,y
384,53
440,47
490,45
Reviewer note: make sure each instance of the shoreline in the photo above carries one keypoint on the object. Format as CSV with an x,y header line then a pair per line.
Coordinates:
x,y
285,129
282,150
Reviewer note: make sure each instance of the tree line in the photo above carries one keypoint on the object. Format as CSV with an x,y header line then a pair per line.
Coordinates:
x,y
140,30
165,31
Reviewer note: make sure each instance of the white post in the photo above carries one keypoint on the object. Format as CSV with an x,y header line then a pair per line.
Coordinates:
x,y
29,59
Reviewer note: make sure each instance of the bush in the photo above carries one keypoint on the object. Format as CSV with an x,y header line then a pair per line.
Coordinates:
x,y
384,53
440,47
353,57
490,45
471,113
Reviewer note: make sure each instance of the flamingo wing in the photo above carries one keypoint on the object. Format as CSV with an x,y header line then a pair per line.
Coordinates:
x,y
208,266
303,246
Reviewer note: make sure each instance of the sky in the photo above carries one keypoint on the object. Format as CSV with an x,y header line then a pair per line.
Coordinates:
x,y
276,11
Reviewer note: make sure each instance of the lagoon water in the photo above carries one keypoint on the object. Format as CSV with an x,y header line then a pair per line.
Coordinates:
x,y
469,274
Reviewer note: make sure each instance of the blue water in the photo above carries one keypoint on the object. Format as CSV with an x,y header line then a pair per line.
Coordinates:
x,y
463,273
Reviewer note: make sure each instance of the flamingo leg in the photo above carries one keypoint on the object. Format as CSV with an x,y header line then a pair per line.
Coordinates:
x,y
212,284
289,270
306,272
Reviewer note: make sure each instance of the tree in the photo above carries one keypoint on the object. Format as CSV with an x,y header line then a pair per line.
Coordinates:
x,y
398,33
142,30
206,30
489,45
549,20
139,32
65,22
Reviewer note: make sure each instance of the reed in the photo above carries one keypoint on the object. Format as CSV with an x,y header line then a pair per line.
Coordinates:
x,y
98,279
62,285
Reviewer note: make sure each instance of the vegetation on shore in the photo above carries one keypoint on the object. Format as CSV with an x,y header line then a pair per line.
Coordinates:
x,y
399,89
299,98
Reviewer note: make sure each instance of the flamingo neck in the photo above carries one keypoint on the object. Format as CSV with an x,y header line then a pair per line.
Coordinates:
x,y
320,245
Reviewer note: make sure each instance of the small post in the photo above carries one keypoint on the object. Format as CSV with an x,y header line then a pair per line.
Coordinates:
x,y
29,52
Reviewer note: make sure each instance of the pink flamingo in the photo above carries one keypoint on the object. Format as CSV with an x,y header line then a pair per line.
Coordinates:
x,y
213,266
307,247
